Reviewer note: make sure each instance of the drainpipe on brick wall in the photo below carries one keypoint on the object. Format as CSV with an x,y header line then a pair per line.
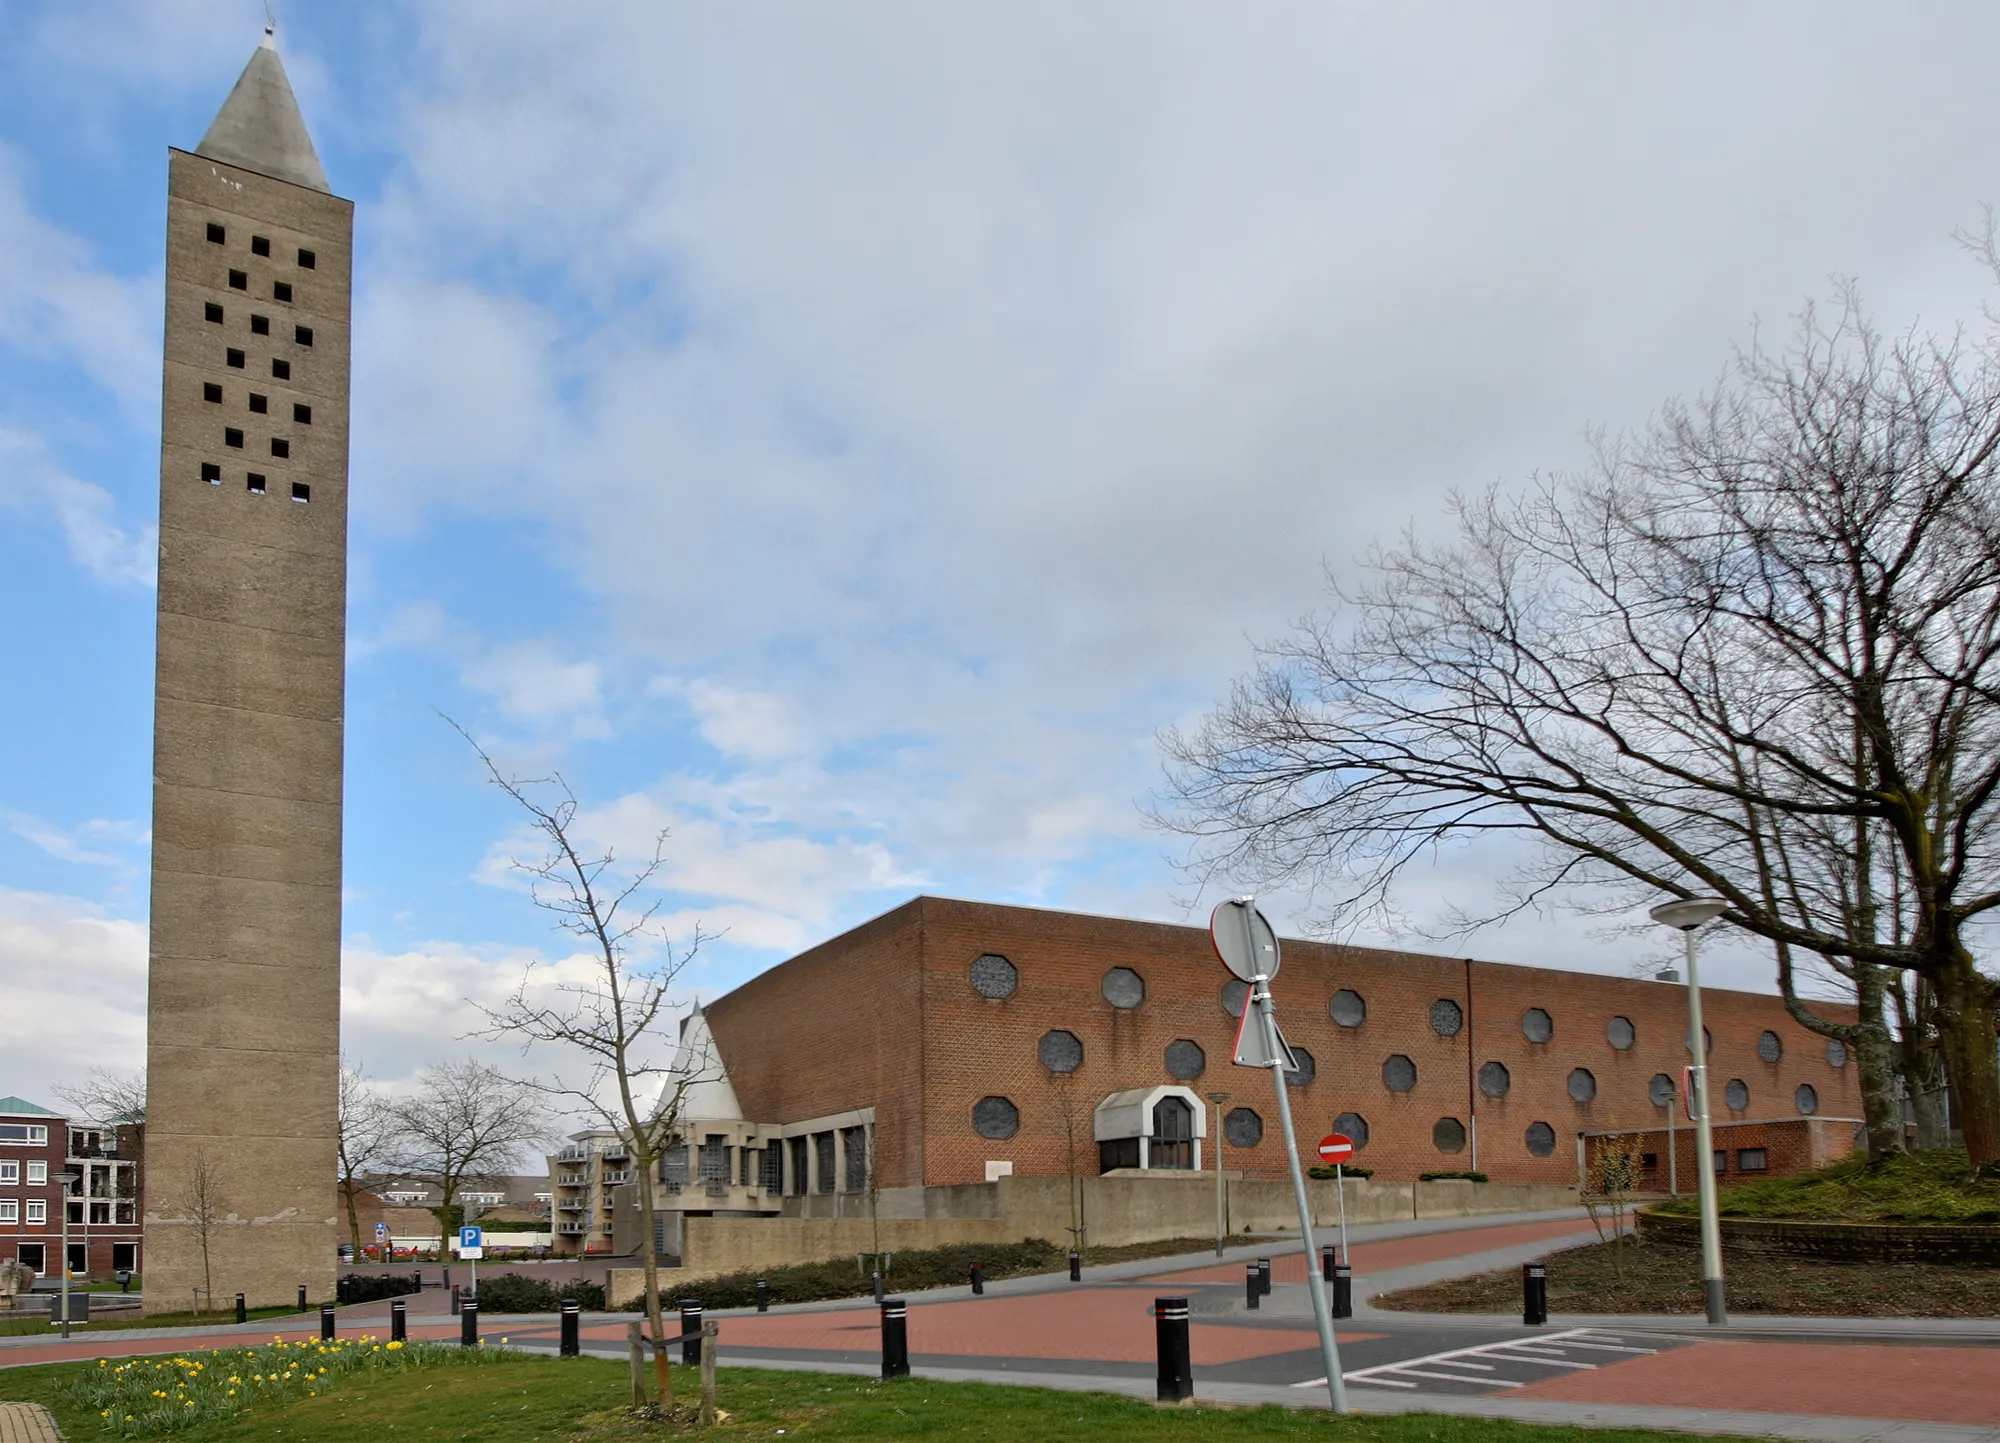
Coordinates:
x,y
1471,1082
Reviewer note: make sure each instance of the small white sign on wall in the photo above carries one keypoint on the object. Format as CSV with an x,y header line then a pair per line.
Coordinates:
x,y
997,1170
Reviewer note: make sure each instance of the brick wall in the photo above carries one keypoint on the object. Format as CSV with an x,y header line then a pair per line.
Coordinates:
x,y
1790,1144
834,1029
839,1026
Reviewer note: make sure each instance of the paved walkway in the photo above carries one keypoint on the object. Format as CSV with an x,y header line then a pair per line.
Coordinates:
x,y
27,1423
1837,1380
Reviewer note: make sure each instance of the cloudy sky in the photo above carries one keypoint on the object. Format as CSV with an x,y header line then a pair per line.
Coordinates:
x,y
844,434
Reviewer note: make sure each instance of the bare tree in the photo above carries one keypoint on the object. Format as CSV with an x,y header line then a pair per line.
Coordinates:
x,y
201,1203
108,1096
1769,620
612,1018
368,1138
466,1120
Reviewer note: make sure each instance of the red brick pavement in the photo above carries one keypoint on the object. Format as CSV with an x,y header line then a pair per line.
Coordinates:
x,y
85,1348
1112,1325
1400,1252
1835,1380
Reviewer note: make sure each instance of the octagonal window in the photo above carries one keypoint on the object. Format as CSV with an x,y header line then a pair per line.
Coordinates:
x,y
1806,1099
1537,1025
1541,1139
1306,1070
1494,1079
1354,1127
1124,988
1348,1008
994,976
1446,1017
1736,1094
1448,1135
1399,1074
1242,1127
1836,1052
995,1118
1060,1051
1620,1033
1235,992
1582,1085
1661,1090
1769,1046
1185,1060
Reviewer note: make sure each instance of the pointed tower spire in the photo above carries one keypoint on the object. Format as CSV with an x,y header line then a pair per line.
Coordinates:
x,y
259,127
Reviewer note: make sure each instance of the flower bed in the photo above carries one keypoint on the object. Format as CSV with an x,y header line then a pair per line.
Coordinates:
x,y
145,1396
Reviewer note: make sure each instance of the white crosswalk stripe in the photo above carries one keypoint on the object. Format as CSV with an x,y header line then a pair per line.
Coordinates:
x,y
1529,1359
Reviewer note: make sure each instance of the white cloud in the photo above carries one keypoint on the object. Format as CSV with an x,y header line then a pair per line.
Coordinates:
x,y
56,305
76,991
533,682
77,844
98,545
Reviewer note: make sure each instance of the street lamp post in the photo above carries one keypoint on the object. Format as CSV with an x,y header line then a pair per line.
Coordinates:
x,y
1685,916
68,1180
1218,1098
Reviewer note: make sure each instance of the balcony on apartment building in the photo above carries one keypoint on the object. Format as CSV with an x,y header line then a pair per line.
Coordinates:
x,y
622,1175
569,1204
571,1229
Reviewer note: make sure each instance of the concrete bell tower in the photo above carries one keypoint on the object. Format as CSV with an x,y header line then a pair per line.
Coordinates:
x,y
243,1012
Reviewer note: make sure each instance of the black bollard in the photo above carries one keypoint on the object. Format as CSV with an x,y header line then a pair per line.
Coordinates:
x,y
1251,1291
978,1280
399,1321
242,1313
1328,1261
1075,1266
326,1322
455,1303
1343,1291
302,1297
1534,1294
763,1296
691,1331
1264,1276
446,1274
572,1320
880,1291
468,1322
417,1280
1170,1340
895,1338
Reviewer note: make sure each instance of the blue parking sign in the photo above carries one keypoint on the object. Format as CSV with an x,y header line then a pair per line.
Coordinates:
x,y
470,1237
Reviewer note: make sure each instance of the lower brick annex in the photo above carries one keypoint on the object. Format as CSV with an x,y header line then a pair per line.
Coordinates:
x,y
981,1034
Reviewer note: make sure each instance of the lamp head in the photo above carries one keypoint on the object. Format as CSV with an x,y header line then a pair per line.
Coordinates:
x,y
1217,1097
67,1178
1688,913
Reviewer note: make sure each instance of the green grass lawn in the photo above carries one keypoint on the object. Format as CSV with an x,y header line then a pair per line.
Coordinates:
x,y
13,1326
518,1399
1937,1186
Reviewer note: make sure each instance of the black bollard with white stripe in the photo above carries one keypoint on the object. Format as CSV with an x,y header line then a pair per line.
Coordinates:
x,y
1252,1287
399,1321
572,1323
1534,1294
763,1295
1329,1258
895,1338
1170,1339
468,1322
1075,1266
242,1313
1343,1291
1264,1276
326,1322
691,1332
978,1279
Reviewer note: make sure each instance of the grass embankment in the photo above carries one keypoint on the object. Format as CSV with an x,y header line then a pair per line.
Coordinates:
x,y
16,1325
912,1271
1666,1278
1937,1186
518,1399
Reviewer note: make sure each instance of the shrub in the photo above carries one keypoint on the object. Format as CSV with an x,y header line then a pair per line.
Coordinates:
x,y
512,1293
925,1268
373,1287
1934,1186
1451,1176
1327,1174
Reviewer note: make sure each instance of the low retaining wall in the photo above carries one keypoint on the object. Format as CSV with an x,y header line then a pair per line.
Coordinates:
x,y
1964,1245
1118,1209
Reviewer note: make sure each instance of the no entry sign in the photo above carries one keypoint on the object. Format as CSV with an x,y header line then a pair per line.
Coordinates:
x,y
1335,1147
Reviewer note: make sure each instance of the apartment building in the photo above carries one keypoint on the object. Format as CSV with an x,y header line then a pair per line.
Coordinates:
x,y
37,1146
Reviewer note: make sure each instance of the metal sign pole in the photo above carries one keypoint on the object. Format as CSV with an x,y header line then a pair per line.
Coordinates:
x,y
1340,1191
1260,998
